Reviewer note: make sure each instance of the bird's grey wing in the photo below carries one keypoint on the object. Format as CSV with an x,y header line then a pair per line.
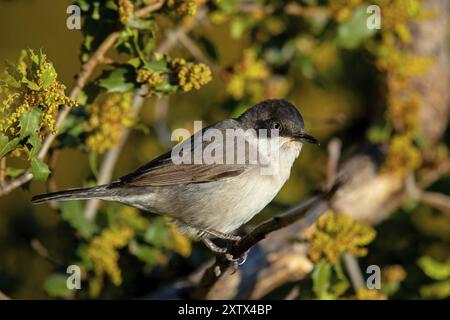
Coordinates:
x,y
162,171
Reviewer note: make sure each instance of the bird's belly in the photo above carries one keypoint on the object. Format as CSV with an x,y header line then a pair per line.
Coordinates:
x,y
225,206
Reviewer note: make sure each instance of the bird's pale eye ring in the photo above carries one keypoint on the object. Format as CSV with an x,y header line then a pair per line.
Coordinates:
x,y
276,125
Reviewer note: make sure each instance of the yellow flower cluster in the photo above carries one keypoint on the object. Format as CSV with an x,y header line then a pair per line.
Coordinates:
x,y
151,78
393,274
336,234
403,155
401,66
369,294
108,115
396,16
341,10
404,113
181,243
30,92
185,7
103,249
437,290
248,76
103,252
191,75
126,9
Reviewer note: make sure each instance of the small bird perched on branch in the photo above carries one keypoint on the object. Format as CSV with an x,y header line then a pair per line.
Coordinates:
x,y
218,179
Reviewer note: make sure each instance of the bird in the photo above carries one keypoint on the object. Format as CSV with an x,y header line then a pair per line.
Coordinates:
x,y
212,200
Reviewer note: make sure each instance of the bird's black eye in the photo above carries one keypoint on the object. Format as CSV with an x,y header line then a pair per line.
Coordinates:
x,y
276,125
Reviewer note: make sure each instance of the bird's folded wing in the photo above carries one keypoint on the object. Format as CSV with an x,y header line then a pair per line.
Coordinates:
x,y
167,174
162,171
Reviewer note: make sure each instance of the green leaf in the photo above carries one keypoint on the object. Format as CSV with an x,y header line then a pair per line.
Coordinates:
x,y
228,6
39,169
145,253
14,73
158,234
56,285
29,123
117,80
157,66
48,77
352,33
6,145
13,172
36,145
72,212
166,88
31,85
435,269
321,279
135,62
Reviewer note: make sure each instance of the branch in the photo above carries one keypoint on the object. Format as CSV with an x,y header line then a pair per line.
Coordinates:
x,y
354,271
436,200
85,73
3,296
317,204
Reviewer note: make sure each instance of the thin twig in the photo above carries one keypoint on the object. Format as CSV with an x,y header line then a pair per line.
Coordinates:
x,y
354,271
436,200
2,169
334,152
196,52
85,73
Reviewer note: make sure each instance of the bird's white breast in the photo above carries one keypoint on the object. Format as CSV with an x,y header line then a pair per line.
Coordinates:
x,y
244,197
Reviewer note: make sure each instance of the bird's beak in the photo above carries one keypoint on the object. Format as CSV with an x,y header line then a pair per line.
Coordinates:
x,y
304,137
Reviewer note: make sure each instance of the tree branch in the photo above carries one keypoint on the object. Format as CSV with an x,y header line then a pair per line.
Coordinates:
x,y
4,296
217,270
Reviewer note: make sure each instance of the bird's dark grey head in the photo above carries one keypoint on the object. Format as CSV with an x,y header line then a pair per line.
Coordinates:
x,y
277,114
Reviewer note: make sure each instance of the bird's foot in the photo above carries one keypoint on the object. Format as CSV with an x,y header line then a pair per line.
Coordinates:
x,y
224,252
221,235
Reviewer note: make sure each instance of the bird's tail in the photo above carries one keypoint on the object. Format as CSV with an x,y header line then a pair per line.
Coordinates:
x,y
73,194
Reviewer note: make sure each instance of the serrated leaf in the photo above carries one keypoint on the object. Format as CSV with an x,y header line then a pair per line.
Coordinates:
x,y
39,169
29,122
56,285
117,80
72,212
7,145
31,84
48,77
157,66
